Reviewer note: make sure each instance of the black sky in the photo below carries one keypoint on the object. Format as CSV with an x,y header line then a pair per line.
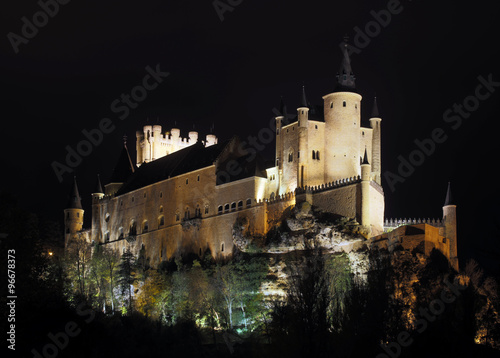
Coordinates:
x,y
231,74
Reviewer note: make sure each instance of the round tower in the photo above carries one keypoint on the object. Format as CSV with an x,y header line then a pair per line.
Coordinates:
x,y
73,215
303,123
450,227
193,137
376,151
211,139
342,124
279,142
156,142
342,140
97,195
147,153
365,192
139,141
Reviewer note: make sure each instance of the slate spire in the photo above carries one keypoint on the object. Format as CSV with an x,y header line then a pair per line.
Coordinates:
x,y
74,199
449,198
375,112
345,76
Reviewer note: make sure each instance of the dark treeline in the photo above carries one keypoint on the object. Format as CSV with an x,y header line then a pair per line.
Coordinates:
x,y
103,304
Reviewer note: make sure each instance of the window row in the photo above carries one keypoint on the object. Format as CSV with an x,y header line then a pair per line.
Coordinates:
x,y
226,208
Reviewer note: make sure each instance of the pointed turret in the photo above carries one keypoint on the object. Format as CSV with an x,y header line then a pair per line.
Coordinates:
x,y
73,215
74,199
98,186
449,196
365,158
375,113
345,76
123,169
303,99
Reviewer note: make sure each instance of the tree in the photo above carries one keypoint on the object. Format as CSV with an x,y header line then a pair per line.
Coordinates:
x,y
126,275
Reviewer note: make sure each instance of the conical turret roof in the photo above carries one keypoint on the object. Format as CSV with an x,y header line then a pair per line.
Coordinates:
x,y
74,199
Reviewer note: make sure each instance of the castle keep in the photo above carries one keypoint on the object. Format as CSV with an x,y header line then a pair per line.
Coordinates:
x,y
184,195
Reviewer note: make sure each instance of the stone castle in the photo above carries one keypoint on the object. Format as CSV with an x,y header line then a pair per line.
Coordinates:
x,y
184,195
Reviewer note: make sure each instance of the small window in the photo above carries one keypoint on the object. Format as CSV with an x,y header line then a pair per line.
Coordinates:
x,y
298,154
219,209
315,126
132,199
222,247
233,206
77,215
314,154
249,202
161,194
331,104
226,208
240,204
317,155
161,221
106,236
145,226
161,208
187,181
145,195
343,104
198,178
206,209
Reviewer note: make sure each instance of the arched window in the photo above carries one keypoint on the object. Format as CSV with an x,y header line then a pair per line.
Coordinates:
x,y
222,247
161,220
226,208
343,103
249,202
219,209
314,154
240,204
317,154
132,228
233,206
161,208
145,226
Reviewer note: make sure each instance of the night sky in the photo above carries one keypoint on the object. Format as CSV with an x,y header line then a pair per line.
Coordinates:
x,y
230,69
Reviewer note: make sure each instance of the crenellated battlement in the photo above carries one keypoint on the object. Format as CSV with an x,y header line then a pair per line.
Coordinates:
x,y
328,186
394,223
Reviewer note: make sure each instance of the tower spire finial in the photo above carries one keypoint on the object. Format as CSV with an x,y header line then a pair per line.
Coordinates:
x,y
375,112
449,197
303,97
345,76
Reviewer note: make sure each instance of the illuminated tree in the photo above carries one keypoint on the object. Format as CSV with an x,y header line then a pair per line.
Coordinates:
x,y
127,276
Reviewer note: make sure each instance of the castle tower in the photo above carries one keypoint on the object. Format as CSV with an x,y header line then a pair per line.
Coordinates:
x,y
279,136
450,227
342,125
97,195
73,214
376,151
365,192
156,151
139,136
303,123
147,149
